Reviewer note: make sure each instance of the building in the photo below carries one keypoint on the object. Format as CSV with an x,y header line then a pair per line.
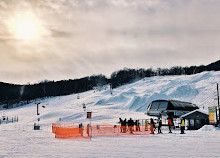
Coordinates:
x,y
171,108
196,119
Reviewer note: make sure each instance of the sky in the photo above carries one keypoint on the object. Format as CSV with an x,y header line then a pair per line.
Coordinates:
x,y
68,39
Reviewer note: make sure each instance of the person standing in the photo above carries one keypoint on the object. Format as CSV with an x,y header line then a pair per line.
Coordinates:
x,y
170,124
159,126
152,123
182,126
146,125
81,129
88,130
124,125
130,125
121,123
152,126
137,123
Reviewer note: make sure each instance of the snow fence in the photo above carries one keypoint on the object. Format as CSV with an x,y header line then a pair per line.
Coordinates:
x,y
80,131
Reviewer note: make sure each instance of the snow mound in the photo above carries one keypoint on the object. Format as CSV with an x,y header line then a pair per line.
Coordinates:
x,y
207,128
112,100
184,91
136,102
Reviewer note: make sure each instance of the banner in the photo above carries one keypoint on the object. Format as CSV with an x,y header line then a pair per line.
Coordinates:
x,y
89,115
213,115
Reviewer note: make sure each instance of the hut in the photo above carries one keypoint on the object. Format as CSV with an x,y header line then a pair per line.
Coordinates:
x,y
196,119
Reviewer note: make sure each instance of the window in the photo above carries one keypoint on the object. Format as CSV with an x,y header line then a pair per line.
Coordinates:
x,y
163,105
155,105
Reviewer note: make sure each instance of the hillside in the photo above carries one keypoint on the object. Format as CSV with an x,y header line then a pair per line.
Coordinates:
x,y
130,100
18,139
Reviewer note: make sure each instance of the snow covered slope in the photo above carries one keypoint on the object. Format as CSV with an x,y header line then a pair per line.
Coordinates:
x,y
129,100
20,140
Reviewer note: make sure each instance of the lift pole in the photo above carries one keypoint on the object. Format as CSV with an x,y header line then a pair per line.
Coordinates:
x,y
38,109
218,105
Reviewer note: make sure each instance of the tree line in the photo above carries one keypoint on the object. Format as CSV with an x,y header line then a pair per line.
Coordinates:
x,y
11,94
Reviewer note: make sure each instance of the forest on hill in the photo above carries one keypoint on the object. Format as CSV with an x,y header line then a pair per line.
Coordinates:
x,y
11,94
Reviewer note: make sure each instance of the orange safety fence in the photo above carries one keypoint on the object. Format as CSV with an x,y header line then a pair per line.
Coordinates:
x,y
62,125
116,130
73,130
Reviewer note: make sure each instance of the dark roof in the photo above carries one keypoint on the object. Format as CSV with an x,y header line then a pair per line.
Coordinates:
x,y
194,111
179,105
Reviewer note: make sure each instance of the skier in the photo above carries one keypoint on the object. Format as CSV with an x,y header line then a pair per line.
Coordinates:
x,y
182,126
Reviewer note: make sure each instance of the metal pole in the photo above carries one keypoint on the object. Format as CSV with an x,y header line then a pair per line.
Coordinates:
x,y
38,109
218,105
110,86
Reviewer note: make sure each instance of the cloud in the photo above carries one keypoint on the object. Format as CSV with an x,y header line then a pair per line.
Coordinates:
x,y
81,38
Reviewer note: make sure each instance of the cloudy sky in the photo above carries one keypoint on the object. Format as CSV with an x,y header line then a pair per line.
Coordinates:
x,y
67,39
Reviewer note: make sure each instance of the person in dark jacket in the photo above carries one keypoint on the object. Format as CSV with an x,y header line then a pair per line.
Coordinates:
x,y
121,123
137,124
124,125
130,125
153,123
81,129
159,126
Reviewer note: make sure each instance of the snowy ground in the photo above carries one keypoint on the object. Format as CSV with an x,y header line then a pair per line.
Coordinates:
x,y
29,143
20,140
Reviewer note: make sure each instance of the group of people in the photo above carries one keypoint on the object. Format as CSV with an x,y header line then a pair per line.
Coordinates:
x,y
170,125
130,124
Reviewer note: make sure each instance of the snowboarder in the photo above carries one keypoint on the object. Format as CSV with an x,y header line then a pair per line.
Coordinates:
x,y
182,126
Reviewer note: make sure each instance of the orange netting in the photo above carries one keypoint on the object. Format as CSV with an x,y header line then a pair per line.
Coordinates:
x,y
74,131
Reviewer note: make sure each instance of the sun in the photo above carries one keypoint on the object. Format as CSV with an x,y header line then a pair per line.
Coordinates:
x,y
26,29
26,26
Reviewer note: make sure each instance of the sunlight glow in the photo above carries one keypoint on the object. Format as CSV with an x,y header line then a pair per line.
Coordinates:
x,y
26,26
26,30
